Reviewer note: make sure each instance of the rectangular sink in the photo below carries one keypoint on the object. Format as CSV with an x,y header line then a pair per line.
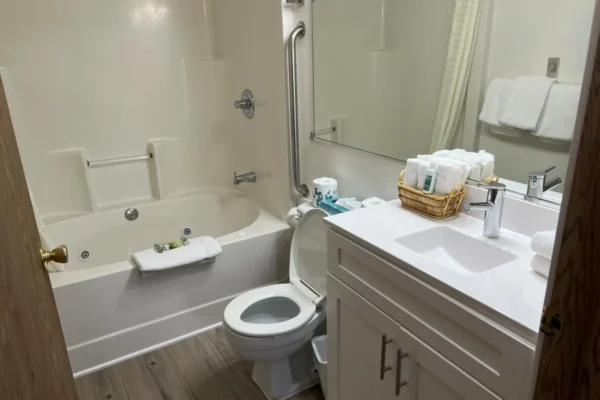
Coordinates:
x,y
455,250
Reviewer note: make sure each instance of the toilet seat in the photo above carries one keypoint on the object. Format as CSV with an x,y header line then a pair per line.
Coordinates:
x,y
279,309
234,311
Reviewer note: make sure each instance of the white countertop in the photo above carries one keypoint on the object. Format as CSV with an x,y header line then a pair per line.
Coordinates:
x,y
511,294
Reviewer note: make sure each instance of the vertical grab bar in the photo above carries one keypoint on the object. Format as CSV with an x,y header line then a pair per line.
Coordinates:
x,y
298,32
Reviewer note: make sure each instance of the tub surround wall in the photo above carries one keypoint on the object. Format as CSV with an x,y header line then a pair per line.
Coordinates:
x,y
110,79
251,40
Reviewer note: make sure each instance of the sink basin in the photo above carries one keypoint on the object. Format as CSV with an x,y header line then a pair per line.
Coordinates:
x,y
452,249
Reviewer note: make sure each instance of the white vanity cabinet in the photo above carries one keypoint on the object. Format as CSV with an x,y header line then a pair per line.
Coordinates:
x,y
385,323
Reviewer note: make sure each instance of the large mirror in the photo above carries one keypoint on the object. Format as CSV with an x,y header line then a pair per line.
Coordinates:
x,y
401,78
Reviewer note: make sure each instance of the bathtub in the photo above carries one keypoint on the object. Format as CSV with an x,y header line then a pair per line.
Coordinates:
x,y
109,313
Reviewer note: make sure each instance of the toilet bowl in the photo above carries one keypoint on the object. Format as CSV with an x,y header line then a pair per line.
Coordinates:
x,y
272,326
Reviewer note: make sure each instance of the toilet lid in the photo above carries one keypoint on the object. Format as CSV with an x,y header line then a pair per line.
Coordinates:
x,y
308,256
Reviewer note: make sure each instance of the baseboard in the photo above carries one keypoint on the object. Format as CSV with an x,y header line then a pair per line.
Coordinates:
x,y
112,349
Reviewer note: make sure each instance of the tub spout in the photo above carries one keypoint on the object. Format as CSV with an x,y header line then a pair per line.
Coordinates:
x,y
247,177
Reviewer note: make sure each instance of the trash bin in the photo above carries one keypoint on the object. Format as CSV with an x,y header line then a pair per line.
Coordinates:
x,y
319,345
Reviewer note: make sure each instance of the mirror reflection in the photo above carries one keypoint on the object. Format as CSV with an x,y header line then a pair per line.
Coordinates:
x,y
405,78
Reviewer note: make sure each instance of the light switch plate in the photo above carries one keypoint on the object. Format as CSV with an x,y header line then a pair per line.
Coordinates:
x,y
553,67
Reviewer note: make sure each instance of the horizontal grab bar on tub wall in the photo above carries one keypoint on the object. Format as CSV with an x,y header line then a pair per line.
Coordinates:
x,y
297,33
119,160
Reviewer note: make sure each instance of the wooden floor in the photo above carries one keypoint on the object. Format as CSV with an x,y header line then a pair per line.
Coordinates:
x,y
200,368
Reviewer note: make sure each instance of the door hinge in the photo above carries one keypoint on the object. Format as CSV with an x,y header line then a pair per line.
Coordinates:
x,y
552,322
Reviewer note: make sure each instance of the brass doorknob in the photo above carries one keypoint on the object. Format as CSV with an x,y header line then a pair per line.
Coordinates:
x,y
58,255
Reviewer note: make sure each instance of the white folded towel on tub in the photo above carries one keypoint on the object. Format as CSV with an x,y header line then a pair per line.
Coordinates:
x,y
202,249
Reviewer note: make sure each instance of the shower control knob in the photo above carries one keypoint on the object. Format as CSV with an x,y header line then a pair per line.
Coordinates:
x,y
58,255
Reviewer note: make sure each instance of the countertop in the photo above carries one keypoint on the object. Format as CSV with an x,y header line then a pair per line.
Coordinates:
x,y
511,294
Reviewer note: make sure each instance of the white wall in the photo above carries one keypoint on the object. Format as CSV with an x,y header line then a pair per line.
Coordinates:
x,y
524,34
100,79
379,66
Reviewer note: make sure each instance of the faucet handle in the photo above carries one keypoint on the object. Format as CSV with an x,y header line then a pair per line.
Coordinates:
x,y
542,173
492,186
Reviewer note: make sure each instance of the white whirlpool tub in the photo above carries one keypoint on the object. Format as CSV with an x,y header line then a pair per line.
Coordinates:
x,y
110,313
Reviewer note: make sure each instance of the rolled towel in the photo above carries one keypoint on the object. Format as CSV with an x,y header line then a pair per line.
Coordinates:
x,y
411,173
198,250
423,167
441,153
542,243
448,176
487,165
541,265
526,102
464,167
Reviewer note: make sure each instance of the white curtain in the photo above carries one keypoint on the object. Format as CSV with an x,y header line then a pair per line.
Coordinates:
x,y
463,36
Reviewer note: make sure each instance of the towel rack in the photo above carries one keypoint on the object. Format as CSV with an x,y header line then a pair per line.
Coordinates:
x,y
298,32
320,132
119,160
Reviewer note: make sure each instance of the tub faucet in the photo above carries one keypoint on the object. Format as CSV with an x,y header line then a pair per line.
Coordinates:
x,y
538,183
492,207
247,177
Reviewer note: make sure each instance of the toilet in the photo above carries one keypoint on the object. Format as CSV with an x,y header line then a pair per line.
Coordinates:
x,y
272,326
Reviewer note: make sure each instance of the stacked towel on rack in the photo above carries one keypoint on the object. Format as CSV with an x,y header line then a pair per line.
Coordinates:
x,y
538,105
199,250
542,244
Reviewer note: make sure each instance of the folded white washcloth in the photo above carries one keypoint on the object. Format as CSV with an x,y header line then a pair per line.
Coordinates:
x,y
541,265
423,168
349,203
441,153
558,122
198,250
526,102
372,201
543,243
448,176
495,100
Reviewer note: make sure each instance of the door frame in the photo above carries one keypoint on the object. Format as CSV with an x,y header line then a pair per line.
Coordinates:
x,y
566,365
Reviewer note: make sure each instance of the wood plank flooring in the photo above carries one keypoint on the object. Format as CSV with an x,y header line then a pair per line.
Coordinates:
x,y
201,368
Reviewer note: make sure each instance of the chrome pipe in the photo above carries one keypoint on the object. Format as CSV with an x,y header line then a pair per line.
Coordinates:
x,y
298,32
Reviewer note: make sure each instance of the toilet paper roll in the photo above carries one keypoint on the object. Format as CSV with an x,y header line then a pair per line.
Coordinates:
x,y
293,217
323,189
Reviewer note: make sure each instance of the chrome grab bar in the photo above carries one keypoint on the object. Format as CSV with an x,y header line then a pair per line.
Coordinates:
x,y
298,32
118,160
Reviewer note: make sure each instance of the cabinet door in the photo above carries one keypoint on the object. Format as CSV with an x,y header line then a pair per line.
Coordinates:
x,y
361,347
427,375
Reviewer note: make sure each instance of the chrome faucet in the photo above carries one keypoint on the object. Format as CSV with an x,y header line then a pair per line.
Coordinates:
x,y
538,184
492,207
247,177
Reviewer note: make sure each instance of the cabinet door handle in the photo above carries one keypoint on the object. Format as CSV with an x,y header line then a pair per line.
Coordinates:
x,y
399,383
384,368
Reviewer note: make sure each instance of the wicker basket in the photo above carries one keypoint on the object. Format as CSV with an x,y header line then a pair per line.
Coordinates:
x,y
429,204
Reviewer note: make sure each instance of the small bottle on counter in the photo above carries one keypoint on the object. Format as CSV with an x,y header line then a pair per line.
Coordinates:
x,y
430,178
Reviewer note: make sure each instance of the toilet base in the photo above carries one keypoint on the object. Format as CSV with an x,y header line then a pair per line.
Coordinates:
x,y
282,379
